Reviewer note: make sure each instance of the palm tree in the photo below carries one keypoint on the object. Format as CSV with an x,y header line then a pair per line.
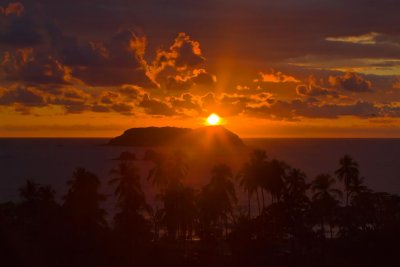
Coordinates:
x,y
29,191
295,183
296,204
276,171
358,187
167,169
251,176
221,182
325,198
128,188
131,227
347,173
167,174
179,212
158,175
82,202
217,199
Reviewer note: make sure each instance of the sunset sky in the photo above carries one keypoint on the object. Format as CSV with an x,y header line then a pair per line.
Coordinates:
x,y
289,68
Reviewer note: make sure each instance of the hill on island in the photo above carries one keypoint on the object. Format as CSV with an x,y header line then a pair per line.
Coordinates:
x,y
203,147
209,136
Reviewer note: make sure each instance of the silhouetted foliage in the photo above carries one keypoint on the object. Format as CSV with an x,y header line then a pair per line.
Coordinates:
x,y
302,222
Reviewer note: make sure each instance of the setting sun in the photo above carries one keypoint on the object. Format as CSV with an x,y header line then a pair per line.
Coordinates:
x,y
214,119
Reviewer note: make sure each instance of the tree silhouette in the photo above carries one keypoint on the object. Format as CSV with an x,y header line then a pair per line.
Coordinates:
x,y
276,171
325,199
82,202
167,168
177,199
347,173
178,212
216,201
252,175
131,228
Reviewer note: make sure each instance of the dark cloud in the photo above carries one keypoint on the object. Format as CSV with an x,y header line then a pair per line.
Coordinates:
x,y
199,77
352,82
154,106
183,53
25,96
20,32
188,51
74,105
225,105
18,29
15,8
186,102
130,92
43,47
314,90
179,84
100,108
32,68
202,77
117,62
396,83
296,109
177,67
122,108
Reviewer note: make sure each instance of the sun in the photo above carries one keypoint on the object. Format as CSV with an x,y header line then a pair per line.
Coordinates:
x,y
214,119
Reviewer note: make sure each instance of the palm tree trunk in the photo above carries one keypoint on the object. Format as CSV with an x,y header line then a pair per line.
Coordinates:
x,y
249,204
263,200
258,203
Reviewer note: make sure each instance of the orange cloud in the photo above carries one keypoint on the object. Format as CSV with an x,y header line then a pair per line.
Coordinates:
x,y
15,8
351,81
276,77
396,83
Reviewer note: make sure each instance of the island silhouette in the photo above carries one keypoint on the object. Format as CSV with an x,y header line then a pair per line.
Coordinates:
x,y
212,136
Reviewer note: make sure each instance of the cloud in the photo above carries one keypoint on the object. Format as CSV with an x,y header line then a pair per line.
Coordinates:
x,y
297,109
186,102
186,52
15,8
34,68
202,77
365,39
154,106
178,83
276,77
22,96
351,82
312,89
182,56
122,108
131,92
185,82
20,32
114,63
396,83
226,104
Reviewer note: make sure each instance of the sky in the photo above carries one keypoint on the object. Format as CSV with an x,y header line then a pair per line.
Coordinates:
x,y
289,68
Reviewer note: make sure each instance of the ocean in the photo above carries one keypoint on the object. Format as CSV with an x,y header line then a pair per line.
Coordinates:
x,y
53,160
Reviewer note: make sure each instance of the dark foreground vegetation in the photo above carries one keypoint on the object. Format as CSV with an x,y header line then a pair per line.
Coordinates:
x,y
287,221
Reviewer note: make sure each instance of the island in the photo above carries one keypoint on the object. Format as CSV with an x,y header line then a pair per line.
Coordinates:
x,y
208,136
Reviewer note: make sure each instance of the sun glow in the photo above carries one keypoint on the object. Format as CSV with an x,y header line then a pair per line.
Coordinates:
x,y
213,119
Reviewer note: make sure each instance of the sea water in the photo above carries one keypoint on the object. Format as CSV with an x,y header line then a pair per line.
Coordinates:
x,y
53,160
